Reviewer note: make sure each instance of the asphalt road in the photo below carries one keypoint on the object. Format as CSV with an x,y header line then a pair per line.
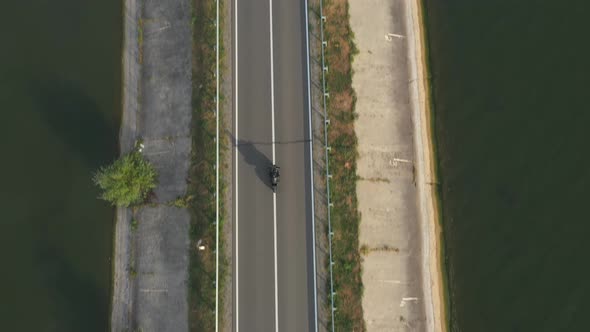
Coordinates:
x,y
273,258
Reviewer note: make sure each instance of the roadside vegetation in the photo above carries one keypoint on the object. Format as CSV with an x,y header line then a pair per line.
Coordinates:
x,y
341,137
128,181
201,188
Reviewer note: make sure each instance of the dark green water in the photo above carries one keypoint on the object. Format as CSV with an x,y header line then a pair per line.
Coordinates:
x,y
511,82
59,118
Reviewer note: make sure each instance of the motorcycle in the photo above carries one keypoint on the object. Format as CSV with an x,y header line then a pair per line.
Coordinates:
x,y
274,177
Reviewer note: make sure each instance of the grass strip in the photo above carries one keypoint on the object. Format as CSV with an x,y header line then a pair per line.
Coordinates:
x,y
201,186
343,163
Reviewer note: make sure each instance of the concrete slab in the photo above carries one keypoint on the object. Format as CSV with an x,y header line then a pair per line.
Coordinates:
x,y
390,230
151,263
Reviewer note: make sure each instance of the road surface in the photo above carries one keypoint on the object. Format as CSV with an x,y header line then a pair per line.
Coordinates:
x,y
273,258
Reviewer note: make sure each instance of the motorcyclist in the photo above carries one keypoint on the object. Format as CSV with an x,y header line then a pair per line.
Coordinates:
x,y
274,176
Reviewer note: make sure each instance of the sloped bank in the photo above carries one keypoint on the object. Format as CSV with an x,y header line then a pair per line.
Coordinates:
x,y
399,230
121,309
426,178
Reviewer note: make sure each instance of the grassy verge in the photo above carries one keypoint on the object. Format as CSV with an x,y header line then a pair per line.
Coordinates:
x,y
202,172
342,139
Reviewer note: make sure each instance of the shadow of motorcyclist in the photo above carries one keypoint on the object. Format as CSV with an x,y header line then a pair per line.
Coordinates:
x,y
253,156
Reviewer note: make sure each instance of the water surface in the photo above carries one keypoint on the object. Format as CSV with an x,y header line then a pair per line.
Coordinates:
x,y
59,117
511,82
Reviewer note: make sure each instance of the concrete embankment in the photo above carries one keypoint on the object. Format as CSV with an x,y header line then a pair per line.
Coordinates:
x,y
399,227
151,260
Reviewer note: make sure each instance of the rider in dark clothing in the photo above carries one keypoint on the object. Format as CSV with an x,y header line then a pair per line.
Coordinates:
x,y
274,175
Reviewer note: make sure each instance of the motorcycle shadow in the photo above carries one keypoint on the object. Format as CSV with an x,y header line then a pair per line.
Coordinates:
x,y
254,157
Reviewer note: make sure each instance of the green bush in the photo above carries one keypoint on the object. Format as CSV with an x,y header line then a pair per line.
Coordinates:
x,y
127,181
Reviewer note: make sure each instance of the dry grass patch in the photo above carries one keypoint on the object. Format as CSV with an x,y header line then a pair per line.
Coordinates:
x,y
202,172
342,138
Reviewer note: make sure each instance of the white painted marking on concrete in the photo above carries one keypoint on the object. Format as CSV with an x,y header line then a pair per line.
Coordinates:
x,y
237,279
390,281
402,160
151,290
165,26
315,289
407,299
389,36
274,195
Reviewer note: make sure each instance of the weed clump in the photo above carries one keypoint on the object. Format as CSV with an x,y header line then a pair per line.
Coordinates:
x,y
128,181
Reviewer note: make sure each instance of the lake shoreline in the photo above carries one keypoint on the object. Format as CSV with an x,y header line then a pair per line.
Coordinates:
x,y
433,265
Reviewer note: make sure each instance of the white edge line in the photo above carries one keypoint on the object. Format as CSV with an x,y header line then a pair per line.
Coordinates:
x,y
274,208
237,325
315,289
217,168
274,195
